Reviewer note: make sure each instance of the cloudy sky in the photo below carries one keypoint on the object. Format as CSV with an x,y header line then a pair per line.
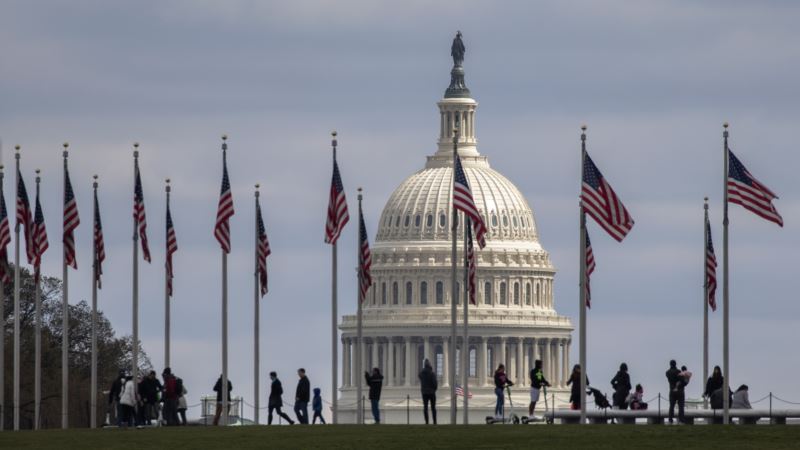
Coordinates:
x,y
653,80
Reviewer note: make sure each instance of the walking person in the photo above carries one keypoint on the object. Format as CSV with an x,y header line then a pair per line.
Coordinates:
x,y
538,381
575,382
182,406
218,389
316,406
127,401
501,381
676,392
302,397
375,383
149,389
275,402
171,396
714,382
114,407
428,384
621,383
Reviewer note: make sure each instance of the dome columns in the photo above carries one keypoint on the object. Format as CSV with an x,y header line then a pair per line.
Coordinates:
x,y
457,113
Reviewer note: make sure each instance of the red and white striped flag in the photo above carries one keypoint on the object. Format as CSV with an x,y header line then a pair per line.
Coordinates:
x,y
39,231
222,229
338,216
262,249
71,221
463,201
460,392
25,217
364,259
5,239
589,269
711,269
172,247
745,190
99,245
602,204
138,212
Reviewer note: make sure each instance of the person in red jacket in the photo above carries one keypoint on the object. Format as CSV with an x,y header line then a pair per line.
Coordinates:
x,y
170,397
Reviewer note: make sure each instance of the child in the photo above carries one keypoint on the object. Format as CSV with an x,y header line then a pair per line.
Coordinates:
x,y
316,405
636,399
684,376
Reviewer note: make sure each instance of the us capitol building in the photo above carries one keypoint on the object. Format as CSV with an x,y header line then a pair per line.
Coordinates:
x,y
406,317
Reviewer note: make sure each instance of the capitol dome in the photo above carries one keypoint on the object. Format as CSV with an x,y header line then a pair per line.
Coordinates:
x,y
407,312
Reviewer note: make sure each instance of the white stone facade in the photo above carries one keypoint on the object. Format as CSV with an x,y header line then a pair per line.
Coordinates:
x,y
406,317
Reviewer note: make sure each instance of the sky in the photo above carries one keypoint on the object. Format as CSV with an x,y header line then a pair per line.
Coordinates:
x,y
654,81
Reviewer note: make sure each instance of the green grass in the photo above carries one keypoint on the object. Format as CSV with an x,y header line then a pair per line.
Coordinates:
x,y
416,436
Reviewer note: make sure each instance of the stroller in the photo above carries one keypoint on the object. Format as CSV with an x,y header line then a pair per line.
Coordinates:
x,y
600,399
512,418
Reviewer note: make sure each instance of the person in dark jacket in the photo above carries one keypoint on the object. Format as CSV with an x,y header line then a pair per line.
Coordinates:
x,y
714,382
676,392
171,396
537,383
149,389
316,406
621,383
427,386
114,407
275,402
375,383
302,397
218,390
575,392
501,381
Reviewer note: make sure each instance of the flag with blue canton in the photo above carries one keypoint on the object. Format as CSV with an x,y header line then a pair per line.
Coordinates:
x,y
745,190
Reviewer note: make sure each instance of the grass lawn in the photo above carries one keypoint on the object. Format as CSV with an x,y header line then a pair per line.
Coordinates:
x,y
415,436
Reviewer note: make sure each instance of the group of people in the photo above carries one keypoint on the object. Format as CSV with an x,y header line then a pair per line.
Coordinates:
x,y
301,399
144,400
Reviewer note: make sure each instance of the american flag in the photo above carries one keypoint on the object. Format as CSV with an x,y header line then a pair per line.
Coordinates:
x,y
364,259
745,190
460,392
99,245
25,217
172,247
462,200
711,268
138,212
222,229
262,250
337,208
600,201
40,243
472,263
71,221
589,269
5,239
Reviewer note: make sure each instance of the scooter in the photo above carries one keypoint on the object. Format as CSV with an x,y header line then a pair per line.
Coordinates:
x,y
511,419
545,418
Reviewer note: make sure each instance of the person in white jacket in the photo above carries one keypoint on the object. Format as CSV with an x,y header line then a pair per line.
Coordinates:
x,y
182,401
741,399
127,399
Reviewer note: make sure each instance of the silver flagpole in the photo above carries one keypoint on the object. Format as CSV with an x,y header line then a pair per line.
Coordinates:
x,y
725,292
582,285
359,338
453,307
93,401
135,290
256,318
334,320
167,306
65,323
224,385
37,371
465,342
17,311
2,338
705,299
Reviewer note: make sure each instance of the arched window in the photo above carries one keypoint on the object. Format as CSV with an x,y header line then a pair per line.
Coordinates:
x,y
505,221
383,293
439,293
442,220
429,221
423,293
487,293
409,296
528,294
374,290
407,221
395,293
494,220
397,222
473,362
417,220
516,293
514,221
538,295
503,293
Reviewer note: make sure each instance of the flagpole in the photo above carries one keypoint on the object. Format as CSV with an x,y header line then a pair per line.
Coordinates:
x,y
93,401
256,316
582,285
453,306
167,306
2,334
359,314
17,311
37,371
135,287
705,299
725,291
65,321
334,318
224,384
465,342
